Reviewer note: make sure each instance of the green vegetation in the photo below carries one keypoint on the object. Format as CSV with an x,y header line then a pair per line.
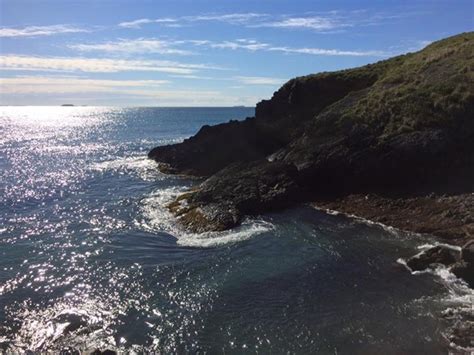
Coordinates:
x,y
430,88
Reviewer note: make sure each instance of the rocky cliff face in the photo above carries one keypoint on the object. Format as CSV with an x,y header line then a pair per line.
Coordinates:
x,y
403,126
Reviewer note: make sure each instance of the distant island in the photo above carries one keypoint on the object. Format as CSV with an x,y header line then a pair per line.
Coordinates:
x,y
392,142
67,105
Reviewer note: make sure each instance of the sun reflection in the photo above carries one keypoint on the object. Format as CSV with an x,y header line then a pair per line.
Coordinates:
x,y
56,116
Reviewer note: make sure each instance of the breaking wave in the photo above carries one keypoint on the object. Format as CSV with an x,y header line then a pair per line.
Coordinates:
x,y
157,218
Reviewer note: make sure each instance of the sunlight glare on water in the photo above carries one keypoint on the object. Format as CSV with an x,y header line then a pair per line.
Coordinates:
x,y
90,258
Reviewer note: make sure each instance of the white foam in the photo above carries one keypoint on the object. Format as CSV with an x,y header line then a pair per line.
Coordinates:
x,y
249,229
356,218
427,246
125,163
156,217
145,168
459,299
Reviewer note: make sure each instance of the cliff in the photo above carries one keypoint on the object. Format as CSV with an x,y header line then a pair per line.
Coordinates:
x,y
400,128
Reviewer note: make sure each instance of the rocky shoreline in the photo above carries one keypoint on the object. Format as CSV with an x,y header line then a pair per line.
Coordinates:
x,y
448,217
392,142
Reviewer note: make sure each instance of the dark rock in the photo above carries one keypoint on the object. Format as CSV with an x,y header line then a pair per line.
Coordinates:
x,y
401,126
419,214
69,351
467,252
211,217
432,257
104,352
214,148
464,271
244,188
463,335
75,321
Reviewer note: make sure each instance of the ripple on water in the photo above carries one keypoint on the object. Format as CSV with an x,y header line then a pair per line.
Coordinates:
x,y
85,263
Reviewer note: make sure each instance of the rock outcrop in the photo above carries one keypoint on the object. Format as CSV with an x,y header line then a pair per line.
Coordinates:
x,y
450,217
399,127
438,255
461,263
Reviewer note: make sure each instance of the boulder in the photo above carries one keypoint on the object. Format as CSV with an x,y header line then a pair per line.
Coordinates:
x,y
432,257
467,252
464,271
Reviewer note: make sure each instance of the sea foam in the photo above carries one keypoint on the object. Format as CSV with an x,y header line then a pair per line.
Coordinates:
x,y
156,217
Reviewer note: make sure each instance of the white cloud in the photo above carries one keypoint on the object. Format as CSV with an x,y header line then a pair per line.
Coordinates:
x,y
317,23
152,45
34,31
330,52
259,80
61,85
97,65
250,45
322,22
140,45
135,23
143,21
58,89
253,45
235,19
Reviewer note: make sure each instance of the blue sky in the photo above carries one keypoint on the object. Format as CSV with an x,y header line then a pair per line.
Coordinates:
x,y
200,53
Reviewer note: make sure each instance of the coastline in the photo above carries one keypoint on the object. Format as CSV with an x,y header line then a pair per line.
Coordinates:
x,y
447,217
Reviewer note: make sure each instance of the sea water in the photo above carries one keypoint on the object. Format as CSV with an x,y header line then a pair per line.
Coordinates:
x,y
90,258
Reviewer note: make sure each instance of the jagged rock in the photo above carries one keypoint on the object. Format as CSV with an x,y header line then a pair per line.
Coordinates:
x,y
463,335
215,147
467,251
401,126
464,271
432,257
104,352
242,188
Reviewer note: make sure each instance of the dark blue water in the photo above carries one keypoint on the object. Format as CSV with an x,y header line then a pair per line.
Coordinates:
x,y
90,258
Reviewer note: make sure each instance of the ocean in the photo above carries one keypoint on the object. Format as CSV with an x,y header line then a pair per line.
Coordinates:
x,y
90,258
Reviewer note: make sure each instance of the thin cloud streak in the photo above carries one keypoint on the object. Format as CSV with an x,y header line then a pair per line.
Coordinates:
x,y
136,24
233,19
140,45
259,80
322,22
110,90
97,65
35,31
172,47
41,84
314,23
252,45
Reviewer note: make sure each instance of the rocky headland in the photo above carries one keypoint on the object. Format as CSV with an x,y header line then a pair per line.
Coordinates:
x,y
391,141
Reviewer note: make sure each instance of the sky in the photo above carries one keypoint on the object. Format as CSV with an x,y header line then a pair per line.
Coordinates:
x,y
201,52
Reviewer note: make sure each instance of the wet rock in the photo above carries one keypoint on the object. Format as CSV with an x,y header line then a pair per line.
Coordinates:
x,y
103,352
215,147
464,271
432,257
74,321
463,335
245,188
69,351
373,129
210,218
467,251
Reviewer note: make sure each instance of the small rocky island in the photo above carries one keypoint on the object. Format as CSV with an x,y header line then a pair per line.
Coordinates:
x,y
391,142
